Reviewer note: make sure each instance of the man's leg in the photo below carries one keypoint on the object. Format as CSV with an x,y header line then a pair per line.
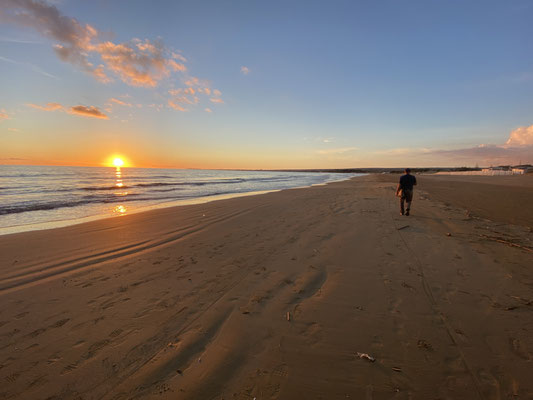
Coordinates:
x,y
409,199
402,200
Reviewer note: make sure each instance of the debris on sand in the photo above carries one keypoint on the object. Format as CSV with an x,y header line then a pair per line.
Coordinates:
x,y
365,356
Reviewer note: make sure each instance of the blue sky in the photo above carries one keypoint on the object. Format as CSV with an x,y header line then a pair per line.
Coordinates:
x,y
325,85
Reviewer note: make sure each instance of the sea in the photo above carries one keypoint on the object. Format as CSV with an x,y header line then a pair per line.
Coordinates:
x,y
43,197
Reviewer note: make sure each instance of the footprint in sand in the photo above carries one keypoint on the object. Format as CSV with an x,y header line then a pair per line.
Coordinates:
x,y
517,348
272,388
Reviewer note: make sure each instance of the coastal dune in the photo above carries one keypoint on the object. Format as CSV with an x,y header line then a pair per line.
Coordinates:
x,y
323,292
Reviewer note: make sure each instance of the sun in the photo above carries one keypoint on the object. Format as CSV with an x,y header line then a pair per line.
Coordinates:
x,y
118,162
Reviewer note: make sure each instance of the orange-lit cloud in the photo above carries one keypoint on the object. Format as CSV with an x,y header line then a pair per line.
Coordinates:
x,y
207,109
194,81
178,56
191,95
176,66
522,136
120,102
245,70
137,62
47,107
518,148
175,106
84,111
3,115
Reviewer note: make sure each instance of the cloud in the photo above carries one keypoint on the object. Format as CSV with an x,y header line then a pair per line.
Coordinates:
x,y
245,70
3,115
194,81
84,111
522,136
337,151
47,107
207,109
120,102
136,62
518,148
33,67
90,111
192,94
176,106
176,66
178,56
12,129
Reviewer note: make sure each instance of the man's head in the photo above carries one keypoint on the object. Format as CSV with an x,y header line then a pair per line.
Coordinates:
x,y
408,170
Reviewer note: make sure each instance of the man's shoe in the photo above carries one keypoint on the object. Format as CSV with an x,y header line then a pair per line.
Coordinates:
x,y
401,212
407,213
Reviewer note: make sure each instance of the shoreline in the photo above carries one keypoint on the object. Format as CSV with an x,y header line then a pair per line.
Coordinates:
x,y
272,296
8,230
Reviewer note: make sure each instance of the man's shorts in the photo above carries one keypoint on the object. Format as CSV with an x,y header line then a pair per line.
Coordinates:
x,y
407,195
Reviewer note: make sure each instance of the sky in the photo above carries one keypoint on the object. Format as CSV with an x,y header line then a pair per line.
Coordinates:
x,y
266,84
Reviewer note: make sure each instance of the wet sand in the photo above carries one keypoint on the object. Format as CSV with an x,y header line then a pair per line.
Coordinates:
x,y
273,296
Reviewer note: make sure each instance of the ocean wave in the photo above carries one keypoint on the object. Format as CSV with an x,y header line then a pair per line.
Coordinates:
x,y
54,205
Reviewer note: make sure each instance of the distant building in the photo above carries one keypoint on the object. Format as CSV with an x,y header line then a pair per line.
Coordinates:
x,y
522,169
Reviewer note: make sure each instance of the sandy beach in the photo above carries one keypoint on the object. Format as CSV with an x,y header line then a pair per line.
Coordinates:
x,y
280,296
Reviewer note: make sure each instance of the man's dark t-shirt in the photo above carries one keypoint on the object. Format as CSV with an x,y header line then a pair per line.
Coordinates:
x,y
407,182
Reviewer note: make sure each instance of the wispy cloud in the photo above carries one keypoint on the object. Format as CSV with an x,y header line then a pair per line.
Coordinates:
x,y
84,111
12,129
20,41
341,150
33,67
136,62
120,102
176,106
47,107
208,110
197,89
245,70
3,115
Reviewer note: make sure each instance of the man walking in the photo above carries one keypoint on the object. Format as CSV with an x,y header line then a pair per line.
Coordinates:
x,y
405,191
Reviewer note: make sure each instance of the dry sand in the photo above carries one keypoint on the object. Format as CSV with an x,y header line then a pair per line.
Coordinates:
x,y
272,296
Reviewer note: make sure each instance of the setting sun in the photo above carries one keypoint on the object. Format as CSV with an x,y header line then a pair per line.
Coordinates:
x,y
118,162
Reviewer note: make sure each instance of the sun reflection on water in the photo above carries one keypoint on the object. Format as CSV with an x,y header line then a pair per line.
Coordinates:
x,y
120,209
